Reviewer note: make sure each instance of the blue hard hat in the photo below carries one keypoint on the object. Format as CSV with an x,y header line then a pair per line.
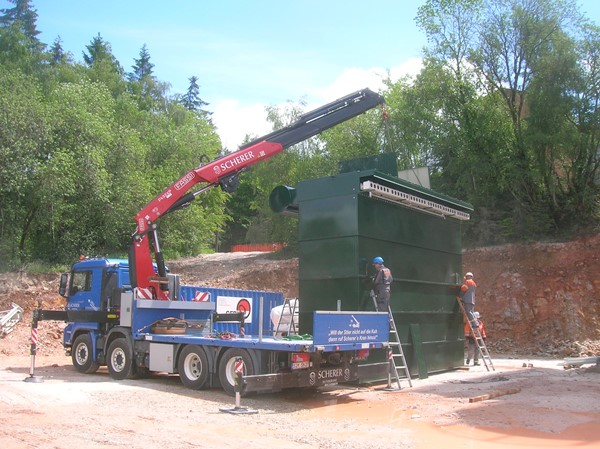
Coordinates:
x,y
377,260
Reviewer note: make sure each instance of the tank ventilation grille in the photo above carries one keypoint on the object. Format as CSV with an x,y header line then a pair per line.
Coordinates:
x,y
405,199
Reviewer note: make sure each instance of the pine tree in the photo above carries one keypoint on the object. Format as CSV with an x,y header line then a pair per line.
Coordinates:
x,y
142,68
98,51
143,84
23,14
57,53
22,19
191,100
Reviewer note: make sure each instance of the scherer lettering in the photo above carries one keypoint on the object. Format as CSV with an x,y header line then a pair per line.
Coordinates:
x,y
330,373
233,162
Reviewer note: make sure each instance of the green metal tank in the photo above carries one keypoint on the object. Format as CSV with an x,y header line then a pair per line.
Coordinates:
x,y
343,225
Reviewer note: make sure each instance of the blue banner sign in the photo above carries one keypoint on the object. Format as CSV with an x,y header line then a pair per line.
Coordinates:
x,y
341,328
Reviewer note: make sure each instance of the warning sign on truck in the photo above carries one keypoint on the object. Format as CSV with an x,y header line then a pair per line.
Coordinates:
x,y
337,328
231,304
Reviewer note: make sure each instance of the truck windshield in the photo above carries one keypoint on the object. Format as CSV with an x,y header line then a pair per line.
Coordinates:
x,y
81,281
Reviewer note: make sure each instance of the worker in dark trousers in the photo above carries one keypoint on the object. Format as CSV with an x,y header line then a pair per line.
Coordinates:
x,y
472,346
382,282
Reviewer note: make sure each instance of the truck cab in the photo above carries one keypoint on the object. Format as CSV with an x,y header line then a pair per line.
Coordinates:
x,y
97,284
93,291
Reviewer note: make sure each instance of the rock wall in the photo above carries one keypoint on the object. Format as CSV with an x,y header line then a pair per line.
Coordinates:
x,y
541,298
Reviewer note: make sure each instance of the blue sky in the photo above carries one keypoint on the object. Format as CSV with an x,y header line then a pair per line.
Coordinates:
x,y
251,54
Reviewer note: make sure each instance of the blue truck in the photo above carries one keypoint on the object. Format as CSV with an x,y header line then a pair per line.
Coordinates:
x,y
133,316
202,334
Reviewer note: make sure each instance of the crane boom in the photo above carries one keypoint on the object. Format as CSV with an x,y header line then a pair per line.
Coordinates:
x,y
223,171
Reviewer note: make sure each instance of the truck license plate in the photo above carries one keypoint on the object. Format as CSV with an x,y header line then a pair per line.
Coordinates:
x,y
301,365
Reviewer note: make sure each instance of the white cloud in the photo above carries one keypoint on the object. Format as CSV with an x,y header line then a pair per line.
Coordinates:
x,y
355,79
235,120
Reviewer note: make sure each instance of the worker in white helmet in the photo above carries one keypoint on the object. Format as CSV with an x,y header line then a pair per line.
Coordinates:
x,y
467,296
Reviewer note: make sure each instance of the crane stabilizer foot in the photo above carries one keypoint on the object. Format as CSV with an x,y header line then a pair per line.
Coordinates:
x,y
239,410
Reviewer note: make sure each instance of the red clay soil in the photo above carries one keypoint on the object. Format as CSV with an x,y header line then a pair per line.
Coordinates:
x,y
541,299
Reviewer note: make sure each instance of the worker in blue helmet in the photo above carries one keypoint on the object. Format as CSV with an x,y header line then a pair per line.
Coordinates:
x,y
382,282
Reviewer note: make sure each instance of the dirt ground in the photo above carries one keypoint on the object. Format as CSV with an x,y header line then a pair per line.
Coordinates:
x,y
540,303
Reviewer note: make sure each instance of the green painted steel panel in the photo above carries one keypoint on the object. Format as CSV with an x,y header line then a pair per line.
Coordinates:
x,y
324,294
385,221
384,162
331,186
328,259
340,231
328,218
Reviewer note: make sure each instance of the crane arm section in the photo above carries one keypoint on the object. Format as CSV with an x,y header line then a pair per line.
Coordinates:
x,y
223,171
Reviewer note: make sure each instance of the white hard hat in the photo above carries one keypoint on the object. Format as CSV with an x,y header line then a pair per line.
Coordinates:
x,y
469,274
476,314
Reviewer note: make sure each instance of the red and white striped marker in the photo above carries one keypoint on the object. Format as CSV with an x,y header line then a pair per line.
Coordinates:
x,y
202,296
34,336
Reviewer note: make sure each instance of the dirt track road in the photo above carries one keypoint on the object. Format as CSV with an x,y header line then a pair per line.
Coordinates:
x,y
68,410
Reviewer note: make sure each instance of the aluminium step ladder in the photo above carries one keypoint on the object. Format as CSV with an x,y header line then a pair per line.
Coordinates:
x,y
481,347
9,319
287,322
396,354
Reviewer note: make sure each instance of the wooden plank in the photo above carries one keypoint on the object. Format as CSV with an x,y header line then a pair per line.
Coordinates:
x,y
485,397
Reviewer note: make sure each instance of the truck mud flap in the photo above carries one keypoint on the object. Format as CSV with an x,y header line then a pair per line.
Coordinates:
x,y
300,379
373,372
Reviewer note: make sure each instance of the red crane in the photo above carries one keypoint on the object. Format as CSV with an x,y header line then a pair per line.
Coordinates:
x,y
224,171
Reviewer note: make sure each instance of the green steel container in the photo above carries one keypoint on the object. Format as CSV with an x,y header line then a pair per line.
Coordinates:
x,y
342,228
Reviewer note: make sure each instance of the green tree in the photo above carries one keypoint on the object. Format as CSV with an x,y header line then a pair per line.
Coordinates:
x,y
523,53
191,99
151,94
57,53
19,44
103,67
24,141
23,17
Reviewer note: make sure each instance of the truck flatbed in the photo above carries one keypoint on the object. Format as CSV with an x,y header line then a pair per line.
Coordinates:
x,y
335,331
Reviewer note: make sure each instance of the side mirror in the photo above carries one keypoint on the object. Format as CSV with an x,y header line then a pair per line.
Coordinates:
x,y
64,281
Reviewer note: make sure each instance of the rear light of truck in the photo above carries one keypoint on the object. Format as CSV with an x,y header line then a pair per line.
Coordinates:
x,y
362,354
300,360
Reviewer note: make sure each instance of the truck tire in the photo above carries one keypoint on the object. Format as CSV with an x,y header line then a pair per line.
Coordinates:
x,y
119,360
227,369
82,355
193,367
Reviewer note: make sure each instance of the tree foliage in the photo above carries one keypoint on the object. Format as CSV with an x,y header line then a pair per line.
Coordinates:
x,y
517,73
84,147
191,99
504,113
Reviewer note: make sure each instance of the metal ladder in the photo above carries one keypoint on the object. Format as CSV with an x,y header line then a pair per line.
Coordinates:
x,y
481,347
292,306
9,319
396,355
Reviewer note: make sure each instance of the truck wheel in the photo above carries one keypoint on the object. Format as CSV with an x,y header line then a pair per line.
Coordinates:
x,y
81,354
119,360
227,369
193,367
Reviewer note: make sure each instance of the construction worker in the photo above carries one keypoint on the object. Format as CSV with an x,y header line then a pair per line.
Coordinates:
x,y
472,347
467,296
382,282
